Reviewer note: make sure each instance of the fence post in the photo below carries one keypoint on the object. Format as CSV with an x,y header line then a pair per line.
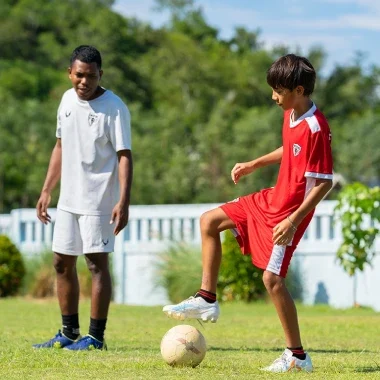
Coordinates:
x,y
16,227
118,261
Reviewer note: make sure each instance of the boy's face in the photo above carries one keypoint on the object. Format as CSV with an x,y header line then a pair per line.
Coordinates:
x,y
286,98
85,78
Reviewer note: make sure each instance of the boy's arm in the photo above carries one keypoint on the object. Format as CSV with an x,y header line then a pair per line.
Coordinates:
x,y
120,212
318,192
244,168
52,177
283,233
268,159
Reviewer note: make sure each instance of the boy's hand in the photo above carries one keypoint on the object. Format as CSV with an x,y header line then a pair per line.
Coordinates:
x,y
42,206
283,233
240,170
120,215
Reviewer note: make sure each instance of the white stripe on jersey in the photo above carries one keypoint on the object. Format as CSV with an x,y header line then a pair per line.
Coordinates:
x,y
276,259
319,175
313,124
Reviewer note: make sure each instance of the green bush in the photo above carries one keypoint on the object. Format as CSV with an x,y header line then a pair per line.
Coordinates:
x,y
294,280
357,205
40,279
12,268
34,266
239,279
179,271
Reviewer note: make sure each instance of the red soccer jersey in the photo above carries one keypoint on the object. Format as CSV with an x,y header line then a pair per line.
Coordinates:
x,y
306,157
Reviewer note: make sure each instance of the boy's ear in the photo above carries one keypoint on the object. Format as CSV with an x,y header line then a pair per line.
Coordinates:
x,y
300,90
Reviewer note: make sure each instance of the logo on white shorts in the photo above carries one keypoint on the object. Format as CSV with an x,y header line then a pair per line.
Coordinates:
x,y
105,241
296,149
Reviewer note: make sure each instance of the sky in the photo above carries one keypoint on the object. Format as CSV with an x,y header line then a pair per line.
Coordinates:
x,y
341,27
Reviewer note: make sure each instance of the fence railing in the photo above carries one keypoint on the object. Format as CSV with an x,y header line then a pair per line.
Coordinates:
x,y
163,223
151,229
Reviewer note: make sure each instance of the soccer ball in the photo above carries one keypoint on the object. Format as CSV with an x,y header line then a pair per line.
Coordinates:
x,y
183,346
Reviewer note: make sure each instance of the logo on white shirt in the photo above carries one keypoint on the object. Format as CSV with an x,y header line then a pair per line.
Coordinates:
x,y
296,149
92,117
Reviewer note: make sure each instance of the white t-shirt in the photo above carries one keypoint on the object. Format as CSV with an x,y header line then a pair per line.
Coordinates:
x,y
91,133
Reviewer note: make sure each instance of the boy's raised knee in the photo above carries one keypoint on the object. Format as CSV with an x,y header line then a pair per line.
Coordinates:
x,y
272,281
207,222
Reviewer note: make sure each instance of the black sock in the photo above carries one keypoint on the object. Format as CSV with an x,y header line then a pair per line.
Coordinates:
x,y
206,295
70,325
97,327
298,352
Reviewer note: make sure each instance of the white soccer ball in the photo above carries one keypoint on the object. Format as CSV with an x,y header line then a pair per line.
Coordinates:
x,y
183,346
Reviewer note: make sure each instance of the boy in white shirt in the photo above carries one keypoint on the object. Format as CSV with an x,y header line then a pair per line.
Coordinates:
x,y
93,159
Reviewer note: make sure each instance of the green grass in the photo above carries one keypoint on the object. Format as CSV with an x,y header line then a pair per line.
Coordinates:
x,y
343,344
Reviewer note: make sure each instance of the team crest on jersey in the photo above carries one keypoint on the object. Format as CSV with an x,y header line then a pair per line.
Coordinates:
x,y
296,149
92,117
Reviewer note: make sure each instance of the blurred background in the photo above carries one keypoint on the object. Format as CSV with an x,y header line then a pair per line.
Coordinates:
x,y
193,74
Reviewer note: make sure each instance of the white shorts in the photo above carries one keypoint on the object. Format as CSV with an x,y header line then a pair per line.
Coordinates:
x,y
81,234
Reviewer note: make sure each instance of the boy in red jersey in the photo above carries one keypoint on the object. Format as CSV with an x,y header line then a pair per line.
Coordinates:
x,y
270,223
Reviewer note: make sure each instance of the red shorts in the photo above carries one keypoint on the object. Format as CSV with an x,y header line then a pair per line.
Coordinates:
x,y
254,231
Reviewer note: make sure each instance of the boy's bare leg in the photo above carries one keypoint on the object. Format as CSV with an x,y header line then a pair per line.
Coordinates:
x,y
68,298
67,283
212,223
101,293
101,284
285,307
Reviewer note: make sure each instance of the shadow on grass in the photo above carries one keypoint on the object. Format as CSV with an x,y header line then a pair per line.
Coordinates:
x,y
276,349
368,369
248,349
132,348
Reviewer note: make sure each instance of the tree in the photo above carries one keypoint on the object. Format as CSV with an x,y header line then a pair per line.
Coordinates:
x,y
178,8
199,103
359,212
245,41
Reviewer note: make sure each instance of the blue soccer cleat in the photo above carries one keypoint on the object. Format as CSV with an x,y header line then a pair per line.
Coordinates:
x,y
59,341
87,343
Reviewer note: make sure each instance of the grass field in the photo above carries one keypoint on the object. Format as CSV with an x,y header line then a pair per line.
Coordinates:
x,y
343,344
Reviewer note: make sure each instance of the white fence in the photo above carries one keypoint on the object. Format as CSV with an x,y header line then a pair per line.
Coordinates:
x,y
152,229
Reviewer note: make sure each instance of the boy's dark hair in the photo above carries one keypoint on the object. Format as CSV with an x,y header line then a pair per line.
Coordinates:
x,y
86,54
291,71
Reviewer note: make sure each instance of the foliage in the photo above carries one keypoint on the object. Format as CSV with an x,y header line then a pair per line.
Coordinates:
x,y
239,279
355,165
40,279
199,103
358,212
294,280
179,271
12,268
